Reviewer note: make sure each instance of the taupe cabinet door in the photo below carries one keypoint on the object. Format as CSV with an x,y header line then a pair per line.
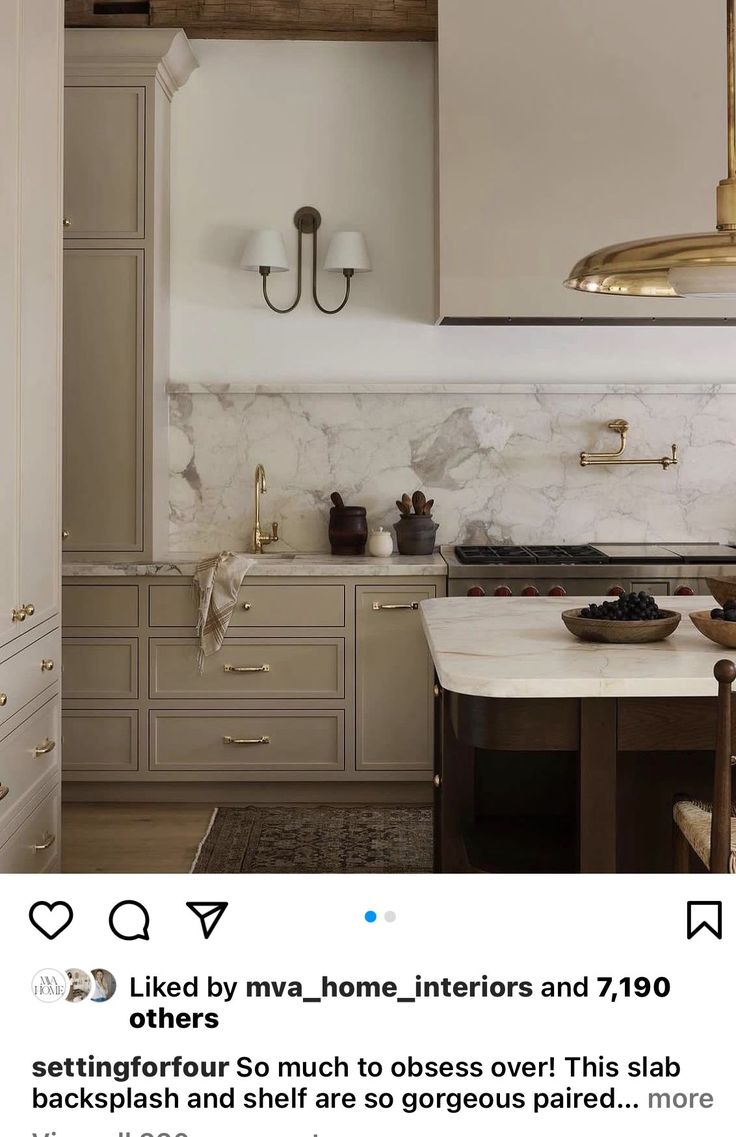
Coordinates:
x,y
104,147
103,392
394,709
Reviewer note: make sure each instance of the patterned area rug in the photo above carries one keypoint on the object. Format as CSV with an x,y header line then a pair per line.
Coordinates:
x,y
317,839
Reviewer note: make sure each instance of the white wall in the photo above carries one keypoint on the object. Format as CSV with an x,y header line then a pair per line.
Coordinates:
x,y
264,127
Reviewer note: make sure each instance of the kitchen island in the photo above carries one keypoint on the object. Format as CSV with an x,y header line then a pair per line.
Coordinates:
x,y
635,724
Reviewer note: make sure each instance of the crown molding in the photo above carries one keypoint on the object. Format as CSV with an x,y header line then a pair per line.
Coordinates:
x,y
161,53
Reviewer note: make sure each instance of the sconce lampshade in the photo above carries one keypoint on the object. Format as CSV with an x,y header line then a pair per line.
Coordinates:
x,y
347,250
265,248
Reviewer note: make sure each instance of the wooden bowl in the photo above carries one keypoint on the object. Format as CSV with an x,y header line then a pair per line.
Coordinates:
x,y
621,631
722,587
719,631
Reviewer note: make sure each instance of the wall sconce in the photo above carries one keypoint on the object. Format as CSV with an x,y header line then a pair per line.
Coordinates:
x,y
265,253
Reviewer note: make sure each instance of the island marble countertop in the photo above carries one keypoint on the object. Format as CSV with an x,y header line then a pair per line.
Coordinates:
x,y
274,564
518,648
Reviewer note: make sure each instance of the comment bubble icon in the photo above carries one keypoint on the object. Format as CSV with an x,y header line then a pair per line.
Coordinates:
x,y
129,920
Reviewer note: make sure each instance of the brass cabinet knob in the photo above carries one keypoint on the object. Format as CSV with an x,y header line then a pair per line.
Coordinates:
x,y
3,699
47,665
44,748
4,791
246,607
264,740
437,781
29,609
67,222
436,690
65,534
19,615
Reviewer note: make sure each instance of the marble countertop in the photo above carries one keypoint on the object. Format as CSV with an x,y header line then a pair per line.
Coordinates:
x,y
274,564
518,648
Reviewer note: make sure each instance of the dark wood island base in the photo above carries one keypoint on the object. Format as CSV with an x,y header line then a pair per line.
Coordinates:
x,y
629,759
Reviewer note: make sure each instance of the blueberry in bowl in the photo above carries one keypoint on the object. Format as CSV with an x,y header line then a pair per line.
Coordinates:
x,y
633,618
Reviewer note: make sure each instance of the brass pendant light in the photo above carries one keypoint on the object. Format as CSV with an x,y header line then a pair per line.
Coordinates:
x,y
696,265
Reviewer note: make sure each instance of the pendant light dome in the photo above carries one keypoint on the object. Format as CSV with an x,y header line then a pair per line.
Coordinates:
x,y
695,265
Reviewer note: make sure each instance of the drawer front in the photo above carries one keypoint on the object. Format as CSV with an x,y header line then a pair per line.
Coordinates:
x,y
100,606
100,669
34,846
101,740
258,606
249,669
221,741
29,756
29,673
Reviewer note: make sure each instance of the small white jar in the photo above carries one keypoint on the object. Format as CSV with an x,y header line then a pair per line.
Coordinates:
x,y
380,543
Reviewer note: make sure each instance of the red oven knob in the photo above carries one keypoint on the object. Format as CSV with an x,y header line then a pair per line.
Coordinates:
x,y
530,590
684,590
502,590
557,590
476,590
617,590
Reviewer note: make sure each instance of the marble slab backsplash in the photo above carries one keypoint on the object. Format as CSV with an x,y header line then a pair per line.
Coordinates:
x,y
501,467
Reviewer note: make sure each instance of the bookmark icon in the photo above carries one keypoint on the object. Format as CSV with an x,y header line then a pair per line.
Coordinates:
x,y
209,913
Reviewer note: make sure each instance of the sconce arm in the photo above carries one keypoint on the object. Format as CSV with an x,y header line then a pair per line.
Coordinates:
x,y
265,272
348,273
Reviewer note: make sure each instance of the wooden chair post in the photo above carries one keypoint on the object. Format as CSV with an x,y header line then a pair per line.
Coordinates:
x,y
720,833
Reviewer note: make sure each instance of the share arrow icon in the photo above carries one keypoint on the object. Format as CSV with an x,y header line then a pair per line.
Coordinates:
x,y
210,912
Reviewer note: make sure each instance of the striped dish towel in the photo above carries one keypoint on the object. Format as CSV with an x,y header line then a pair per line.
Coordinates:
x,y
216,583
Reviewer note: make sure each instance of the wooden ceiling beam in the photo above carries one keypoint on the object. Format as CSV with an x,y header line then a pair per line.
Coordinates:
x,y
265,19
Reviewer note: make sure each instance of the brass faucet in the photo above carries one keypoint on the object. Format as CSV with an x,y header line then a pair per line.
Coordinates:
x,y
260,539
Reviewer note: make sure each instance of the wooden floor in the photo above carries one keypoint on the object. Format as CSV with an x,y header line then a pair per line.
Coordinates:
x,y
111,838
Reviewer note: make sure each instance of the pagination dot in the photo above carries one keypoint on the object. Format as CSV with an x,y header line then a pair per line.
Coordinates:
x,y
389,917
370,916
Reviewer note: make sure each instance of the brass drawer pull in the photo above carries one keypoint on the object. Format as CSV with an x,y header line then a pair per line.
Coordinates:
x,y
47,665
3,699
264,740
67,222
48,840
394,607
4,791
231,669
437,781
246,607
65,534
19,615
45,748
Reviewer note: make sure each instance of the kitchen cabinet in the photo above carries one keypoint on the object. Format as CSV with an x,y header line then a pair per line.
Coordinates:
x,y
394,704
119,86
103,400
30,327
104,158
341,695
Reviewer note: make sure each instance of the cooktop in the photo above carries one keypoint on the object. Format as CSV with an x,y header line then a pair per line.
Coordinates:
x,y
602,554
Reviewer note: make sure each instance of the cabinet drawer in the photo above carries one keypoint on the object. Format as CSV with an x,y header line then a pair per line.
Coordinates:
x,y
100,606
282,740
250,669
34,846
258,606
29,673
29,756
100,740
100,669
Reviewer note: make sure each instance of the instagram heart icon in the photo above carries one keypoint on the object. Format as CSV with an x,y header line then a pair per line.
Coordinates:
x,y
51,919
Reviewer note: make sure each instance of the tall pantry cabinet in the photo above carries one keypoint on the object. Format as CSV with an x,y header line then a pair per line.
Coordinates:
x,y
118,88
31,71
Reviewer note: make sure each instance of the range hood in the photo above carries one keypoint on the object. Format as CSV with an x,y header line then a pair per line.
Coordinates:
x,y
565,126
